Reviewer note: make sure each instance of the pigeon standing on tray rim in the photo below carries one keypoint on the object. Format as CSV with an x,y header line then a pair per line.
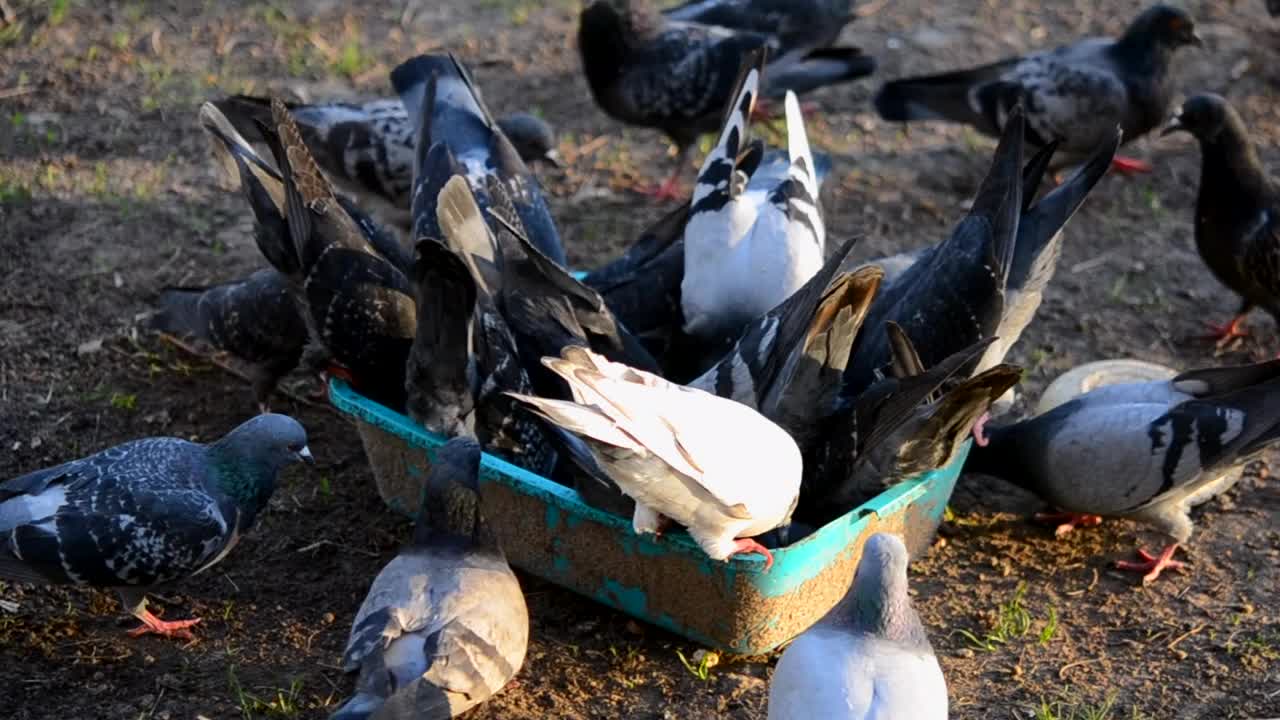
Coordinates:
x,y
678,77
444,626
367,148
1076,94
869,657
144,513
254,319
1143,451
1237,217
679,452
751,239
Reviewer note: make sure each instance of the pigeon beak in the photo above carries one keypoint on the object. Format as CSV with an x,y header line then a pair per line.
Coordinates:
x,y
305,455
1195,39
1175,124
552,157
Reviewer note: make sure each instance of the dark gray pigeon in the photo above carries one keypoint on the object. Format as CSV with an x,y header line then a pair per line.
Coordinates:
x,y
915,421
869,658
445,625
1273,7
254,319
367,148
1144,451
144,513
1237,216
1037,247
456,135
464,358
679,77
954,296
353,295
1076,94
796,23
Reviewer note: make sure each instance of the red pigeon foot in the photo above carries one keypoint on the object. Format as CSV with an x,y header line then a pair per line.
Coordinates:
x,y
1152,565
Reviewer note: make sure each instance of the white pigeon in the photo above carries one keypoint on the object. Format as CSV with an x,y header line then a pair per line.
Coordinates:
x,y
869,658
717,467
752,238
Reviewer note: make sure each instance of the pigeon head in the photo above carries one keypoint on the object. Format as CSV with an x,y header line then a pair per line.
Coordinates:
x,y
451,496
1205,116
532,137
1166,26
247,460
880,604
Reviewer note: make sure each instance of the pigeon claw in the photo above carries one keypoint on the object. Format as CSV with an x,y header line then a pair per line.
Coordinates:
x,y
1130,166
153,625
1068,521
668,191
980,430
747,545
1151,564
1224,334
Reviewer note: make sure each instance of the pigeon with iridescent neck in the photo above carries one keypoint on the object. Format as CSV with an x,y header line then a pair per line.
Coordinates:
x,y
144,513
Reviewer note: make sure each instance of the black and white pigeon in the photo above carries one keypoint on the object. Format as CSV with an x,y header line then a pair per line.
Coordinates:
x,y
439,93
1237,216
642,286
678,77
464,359
444,626
367,148
679,452
796,23
869,658
144,513
1076,94
914,421
752,238
1000,312
789,363
254,319
1143,451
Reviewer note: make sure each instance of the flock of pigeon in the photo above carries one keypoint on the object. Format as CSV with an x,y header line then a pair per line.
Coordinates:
x,y
730,323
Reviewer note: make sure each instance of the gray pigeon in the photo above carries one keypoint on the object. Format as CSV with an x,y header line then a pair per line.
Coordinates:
x,y
444,626
254,319
1237,214
1145,451
367,148
1076,94
869,658
144,513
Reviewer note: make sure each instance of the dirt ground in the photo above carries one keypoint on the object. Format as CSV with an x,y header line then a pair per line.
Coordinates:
x,y
107,194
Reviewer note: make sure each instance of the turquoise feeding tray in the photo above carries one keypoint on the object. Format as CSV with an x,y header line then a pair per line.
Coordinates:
x,y
547,530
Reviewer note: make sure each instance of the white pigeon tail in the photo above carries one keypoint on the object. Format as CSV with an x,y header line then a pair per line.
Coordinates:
x,y
869,658
679,452
753,238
